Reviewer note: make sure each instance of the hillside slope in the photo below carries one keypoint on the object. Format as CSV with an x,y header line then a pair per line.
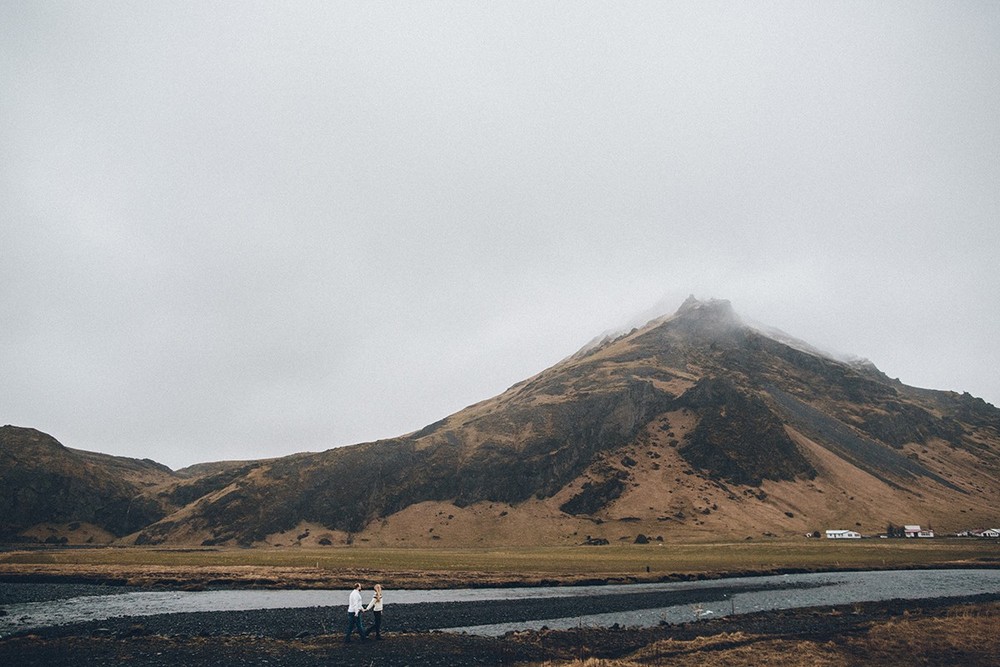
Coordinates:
x,y
54,493
692,427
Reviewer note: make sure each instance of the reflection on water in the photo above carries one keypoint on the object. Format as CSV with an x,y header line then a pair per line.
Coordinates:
x,y
749,594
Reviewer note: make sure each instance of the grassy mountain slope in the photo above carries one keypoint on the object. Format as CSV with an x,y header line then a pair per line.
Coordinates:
x,y
692,427
70,491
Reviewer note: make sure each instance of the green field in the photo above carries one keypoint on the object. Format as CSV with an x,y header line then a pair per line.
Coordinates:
x,y
600,561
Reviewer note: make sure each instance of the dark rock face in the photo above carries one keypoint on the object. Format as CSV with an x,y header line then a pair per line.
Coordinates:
x,y
569,435
974,411
706,317
46,482
738,438
347,488
897,423
594,497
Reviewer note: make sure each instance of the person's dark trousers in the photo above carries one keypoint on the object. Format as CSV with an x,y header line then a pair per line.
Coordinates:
x,y
354,622
377,628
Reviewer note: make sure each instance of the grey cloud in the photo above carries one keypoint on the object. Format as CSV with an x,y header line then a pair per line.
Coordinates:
x,y
242,230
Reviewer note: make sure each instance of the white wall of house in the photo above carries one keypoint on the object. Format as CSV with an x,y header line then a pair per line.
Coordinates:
x,y
842,535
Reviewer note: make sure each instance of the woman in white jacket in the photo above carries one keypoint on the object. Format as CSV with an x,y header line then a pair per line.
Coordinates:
x,y
376,606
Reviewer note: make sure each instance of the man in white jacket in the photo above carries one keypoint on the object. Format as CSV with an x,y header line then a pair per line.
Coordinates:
x,y
354,614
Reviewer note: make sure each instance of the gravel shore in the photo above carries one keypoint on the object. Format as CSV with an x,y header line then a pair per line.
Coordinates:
x,y
401,618
314,636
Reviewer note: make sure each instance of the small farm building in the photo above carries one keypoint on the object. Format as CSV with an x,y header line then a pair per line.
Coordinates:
x,y
843,535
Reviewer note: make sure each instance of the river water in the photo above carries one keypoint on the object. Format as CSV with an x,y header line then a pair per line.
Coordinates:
x,y
741,595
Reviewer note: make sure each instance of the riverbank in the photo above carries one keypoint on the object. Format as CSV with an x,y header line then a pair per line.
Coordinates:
x,y
311,636
944,631
337,568
194,578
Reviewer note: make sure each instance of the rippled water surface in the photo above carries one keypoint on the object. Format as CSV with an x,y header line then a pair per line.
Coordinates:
x,y
743,595
783,592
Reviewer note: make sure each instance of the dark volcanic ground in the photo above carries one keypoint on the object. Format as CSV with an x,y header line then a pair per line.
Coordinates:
x,y
314,636
420,617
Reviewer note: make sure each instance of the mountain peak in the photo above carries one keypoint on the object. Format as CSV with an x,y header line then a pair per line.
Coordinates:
x,y
714,312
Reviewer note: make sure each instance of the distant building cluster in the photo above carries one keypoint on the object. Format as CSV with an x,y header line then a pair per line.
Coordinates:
x,y
993,533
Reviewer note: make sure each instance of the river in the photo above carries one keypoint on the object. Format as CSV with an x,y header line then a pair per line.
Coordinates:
x,y
55,605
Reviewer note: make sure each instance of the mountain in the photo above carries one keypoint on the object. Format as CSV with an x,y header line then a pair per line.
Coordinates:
x,y
55,494
694,426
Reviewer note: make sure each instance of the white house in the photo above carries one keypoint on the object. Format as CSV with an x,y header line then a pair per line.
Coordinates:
x,y
843,535
916,531
990,532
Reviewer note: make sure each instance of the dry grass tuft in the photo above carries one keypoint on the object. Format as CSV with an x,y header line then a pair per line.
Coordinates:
x,y
725,650
963,635
734,649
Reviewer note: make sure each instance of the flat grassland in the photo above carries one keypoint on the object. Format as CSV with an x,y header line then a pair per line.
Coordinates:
x,y
450,568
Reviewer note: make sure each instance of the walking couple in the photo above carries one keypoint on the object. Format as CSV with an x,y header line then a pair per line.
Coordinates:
x,y
354,609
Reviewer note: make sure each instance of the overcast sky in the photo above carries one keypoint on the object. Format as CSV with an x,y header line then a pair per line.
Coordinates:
x,y
237,231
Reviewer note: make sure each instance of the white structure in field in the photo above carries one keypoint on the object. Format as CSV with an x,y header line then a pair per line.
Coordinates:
x,y
989,532
916,531
843,535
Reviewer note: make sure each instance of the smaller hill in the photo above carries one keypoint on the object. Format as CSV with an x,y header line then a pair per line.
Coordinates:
x,y
65,491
